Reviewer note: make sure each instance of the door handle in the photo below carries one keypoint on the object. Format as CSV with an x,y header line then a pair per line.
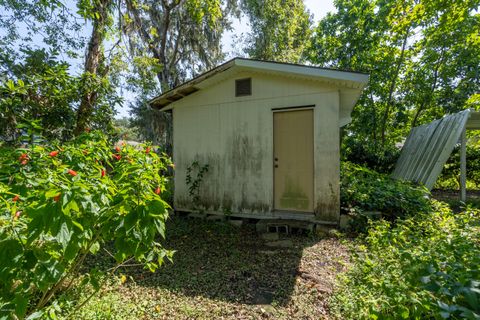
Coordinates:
x,y
276,159
276,166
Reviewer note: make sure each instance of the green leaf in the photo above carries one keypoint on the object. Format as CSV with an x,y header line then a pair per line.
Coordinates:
x,y
95,247
21,304
64,235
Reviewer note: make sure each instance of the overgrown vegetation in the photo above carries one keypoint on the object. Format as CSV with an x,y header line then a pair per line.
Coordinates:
x,y
61,202
450,176
423,267
367,194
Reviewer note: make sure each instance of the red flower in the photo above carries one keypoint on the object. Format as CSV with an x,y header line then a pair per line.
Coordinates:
x,y
72,172
117,148
87,130
103,173
117,156
23,159
17,214
57,197
16,198
157,191
53,153
147,150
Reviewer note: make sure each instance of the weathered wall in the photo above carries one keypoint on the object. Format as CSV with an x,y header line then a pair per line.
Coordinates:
x,y
234,135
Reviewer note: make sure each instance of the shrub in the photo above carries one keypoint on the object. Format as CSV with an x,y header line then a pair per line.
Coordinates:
x,y
380,159
59,203
424,267
364,190
450,176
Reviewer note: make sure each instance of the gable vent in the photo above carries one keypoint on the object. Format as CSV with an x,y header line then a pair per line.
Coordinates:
x,y
243,87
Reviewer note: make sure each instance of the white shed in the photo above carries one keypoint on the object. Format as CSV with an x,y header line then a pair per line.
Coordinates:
x,y
270,134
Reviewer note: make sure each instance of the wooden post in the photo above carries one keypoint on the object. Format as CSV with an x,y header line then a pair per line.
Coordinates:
x,y
463,166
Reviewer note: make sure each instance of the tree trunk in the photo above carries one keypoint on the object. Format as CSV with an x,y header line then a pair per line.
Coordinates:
x,y
427,99
93,58
393,85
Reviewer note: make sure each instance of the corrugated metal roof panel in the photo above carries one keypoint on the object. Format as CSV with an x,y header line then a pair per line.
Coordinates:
x,y
428,147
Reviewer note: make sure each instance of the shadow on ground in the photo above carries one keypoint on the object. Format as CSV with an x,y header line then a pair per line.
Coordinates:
x,y
452,197
224,262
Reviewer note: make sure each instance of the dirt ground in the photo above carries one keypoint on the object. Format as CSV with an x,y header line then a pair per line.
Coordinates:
x,y
221,271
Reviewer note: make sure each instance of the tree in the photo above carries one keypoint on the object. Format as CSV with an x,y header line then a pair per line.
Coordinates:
x,y
172,41
280,29
99,11
55,29
416,55
38,89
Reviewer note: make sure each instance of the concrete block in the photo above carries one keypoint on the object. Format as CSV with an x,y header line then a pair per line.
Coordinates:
x,y
237,223
269,236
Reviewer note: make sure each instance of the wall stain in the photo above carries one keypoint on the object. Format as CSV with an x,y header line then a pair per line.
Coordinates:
x,y
293,196
328,208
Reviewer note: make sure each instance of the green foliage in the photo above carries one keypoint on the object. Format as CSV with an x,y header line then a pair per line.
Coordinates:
x,y
367,154
40,88
422,57
194,183
125,130
280,29
365,191
450,176
423,267
60,203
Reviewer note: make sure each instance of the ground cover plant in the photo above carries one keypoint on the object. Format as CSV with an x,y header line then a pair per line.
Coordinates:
x,y
61,202
423,267
365,191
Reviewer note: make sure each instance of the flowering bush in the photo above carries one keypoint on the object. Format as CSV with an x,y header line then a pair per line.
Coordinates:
x,y
59,203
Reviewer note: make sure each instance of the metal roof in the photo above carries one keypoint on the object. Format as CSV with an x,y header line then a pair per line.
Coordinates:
x,y
347,79
429,146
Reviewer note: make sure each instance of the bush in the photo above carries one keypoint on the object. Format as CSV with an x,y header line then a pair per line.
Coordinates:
x,y
380,159
60,203
364,190
450,176
424,267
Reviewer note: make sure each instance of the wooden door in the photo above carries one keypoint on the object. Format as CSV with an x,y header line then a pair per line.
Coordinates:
x,y
293,160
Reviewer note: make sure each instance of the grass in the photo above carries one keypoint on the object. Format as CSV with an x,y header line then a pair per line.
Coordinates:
x,y
225,272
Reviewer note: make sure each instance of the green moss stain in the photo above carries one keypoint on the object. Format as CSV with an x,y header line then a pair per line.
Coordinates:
x,y
293,196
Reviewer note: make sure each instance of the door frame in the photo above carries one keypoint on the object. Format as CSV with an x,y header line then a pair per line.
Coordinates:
x,y
292,109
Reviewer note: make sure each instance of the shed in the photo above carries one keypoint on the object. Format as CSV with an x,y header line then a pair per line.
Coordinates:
x,y
270,134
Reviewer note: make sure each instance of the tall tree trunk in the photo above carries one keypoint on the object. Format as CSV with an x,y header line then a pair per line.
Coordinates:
x,y
93,58
393,85
427,99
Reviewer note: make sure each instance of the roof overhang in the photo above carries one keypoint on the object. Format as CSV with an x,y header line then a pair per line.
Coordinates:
x,y
473,122
353,82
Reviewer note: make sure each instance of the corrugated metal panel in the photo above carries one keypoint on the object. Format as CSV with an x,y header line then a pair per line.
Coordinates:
x,y
428,147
